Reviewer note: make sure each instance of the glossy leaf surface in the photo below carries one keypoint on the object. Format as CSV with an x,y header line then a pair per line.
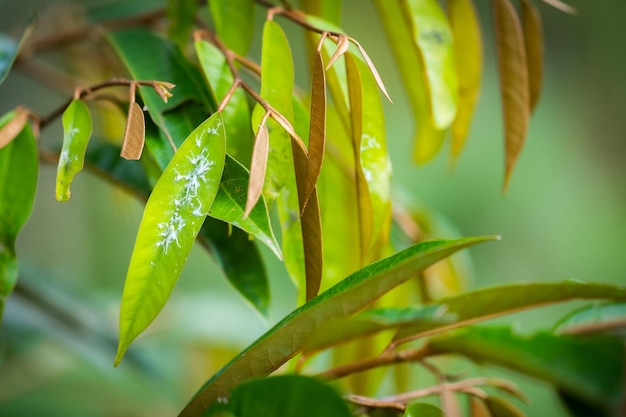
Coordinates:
x,y
423,410
234,23
287,337
488,303
533,42
433,37
287,395
468,49
172,219
76,134
514,87
589,368
18,183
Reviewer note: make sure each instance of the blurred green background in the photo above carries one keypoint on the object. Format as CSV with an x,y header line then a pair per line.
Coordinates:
x,y
564,216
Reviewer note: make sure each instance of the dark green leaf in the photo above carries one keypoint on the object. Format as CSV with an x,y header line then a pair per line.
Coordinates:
x,y
287,395
423,410
18,183
10,48
172,219
589,368
181,14
488,303
76,134
234,23
287,337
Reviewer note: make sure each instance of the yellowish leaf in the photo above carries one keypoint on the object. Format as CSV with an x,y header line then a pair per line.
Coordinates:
x,y
533,41
258,166
469,63
135,133
9,131
513,82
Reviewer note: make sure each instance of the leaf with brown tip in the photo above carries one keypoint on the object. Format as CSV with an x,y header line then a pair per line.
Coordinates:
x,y
258,166
533,42
465,26
135,133
343,43
317,130
513,82
9,131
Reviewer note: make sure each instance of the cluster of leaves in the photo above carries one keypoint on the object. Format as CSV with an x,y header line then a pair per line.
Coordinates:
x,y
215,157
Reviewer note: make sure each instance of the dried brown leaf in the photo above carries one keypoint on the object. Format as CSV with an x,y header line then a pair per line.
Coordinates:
x,y
478,408
135,133
533,41
317,130
372,68
558,4
343,43
258,166
513,82
13,128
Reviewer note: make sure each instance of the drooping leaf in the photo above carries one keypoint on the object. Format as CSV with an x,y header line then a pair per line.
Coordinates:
x,y
502,408
227,245
18,183
15,122
76,134
602,318
172,219
488,303
589,368
234,23
371,322
317,130
468,48
423,410
533,42
258,167
135,133
433,37
277,85
237,113
398,28
10,48
180,14
287,395
287,337
514,87
240,260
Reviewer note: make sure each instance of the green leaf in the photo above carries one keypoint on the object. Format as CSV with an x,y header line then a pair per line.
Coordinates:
x,y
180,14
468,49
230,246
398,28
423,410
589,368
18,183
329,10
514,86
237,113
606,317
277,85
76,134
492,302
173,216
234,23
372,322
433,37
287,395
10,48
287,337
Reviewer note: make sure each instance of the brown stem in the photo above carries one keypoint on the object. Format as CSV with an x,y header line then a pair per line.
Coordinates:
x,y
229,95
293,15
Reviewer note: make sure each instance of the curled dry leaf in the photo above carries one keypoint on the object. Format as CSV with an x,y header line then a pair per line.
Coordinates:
x,y
343,43
372,68
135,133
533,41
163,88
13,128
513,82
258,165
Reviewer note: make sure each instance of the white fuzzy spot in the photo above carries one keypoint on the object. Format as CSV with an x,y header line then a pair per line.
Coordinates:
x,y
369,142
